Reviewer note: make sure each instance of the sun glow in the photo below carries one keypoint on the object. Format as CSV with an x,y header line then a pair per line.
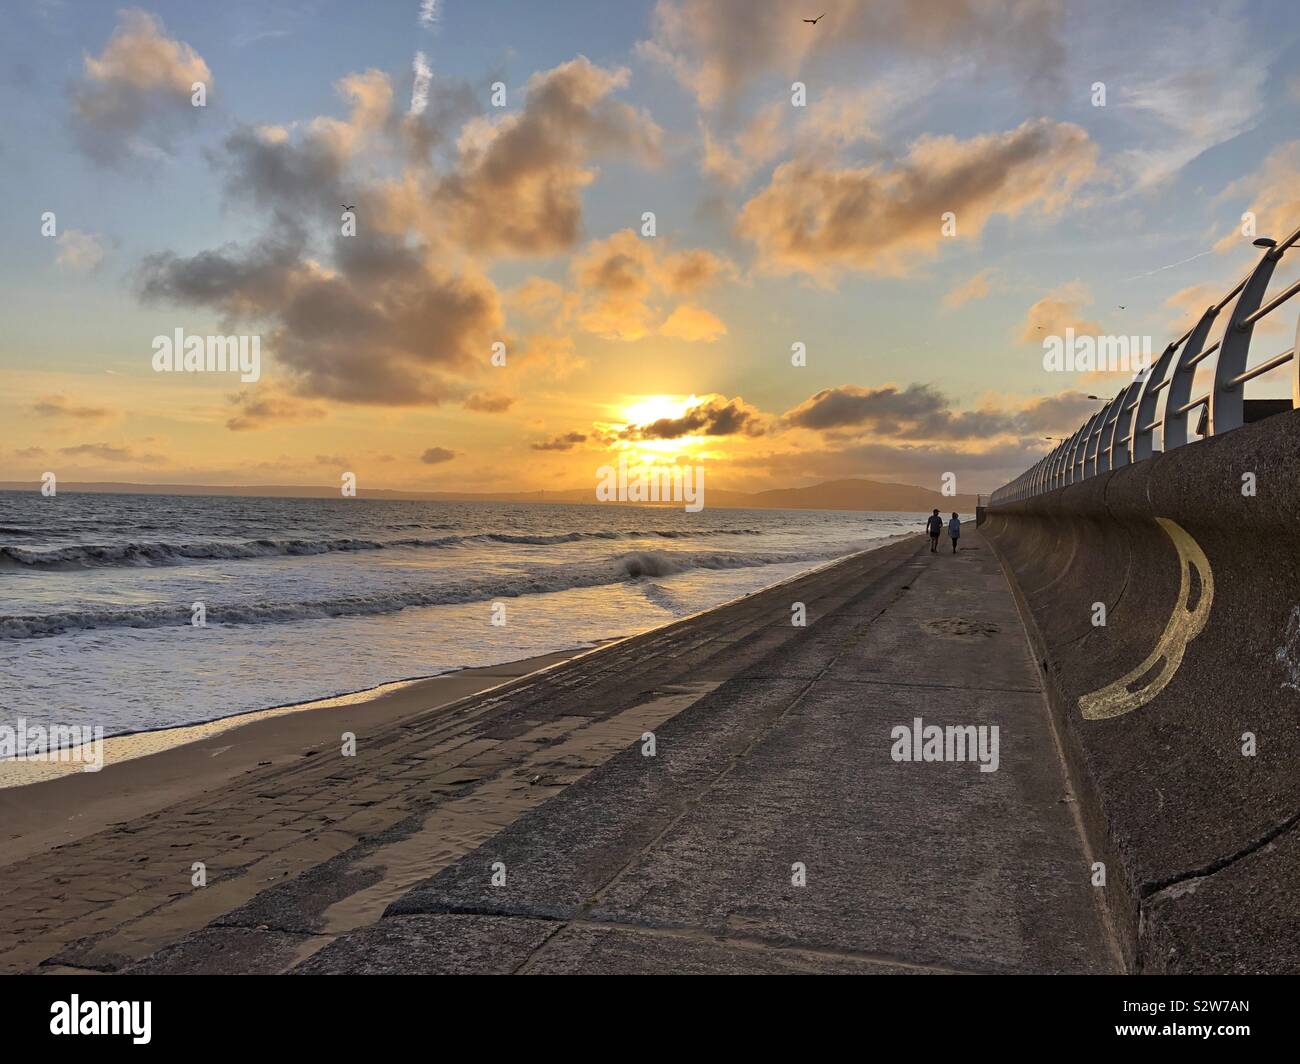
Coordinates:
x,y
644,410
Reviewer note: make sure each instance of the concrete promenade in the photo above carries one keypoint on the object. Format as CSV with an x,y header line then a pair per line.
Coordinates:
x,y
772,761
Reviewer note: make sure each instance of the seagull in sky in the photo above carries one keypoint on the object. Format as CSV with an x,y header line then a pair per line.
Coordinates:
x,y
814,21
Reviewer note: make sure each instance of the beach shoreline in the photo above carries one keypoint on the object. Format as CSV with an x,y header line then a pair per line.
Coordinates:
x,y
441,765
44,805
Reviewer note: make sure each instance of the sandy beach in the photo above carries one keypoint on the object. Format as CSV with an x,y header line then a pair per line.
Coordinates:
x,y
49,804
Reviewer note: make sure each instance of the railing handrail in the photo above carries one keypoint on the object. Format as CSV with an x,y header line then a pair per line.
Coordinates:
x,y
1121,431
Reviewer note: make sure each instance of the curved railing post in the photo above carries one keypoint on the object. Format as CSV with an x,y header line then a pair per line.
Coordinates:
x,y
1068,456
1053,474
1227,402
1077,460
1173,425
1144,417
1117,448
1295,368
1101,457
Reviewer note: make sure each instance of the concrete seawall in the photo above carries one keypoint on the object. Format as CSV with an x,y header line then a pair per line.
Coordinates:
x,y
1180,714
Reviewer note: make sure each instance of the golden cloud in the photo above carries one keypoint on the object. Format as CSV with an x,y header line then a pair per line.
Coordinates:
x,y
821,219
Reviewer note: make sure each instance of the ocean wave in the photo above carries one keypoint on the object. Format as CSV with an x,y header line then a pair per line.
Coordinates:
x,y
92,556
634,566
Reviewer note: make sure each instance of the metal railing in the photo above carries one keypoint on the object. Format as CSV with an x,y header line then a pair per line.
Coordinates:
x,y
1123,430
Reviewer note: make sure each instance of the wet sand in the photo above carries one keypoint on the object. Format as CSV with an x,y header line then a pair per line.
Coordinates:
x,y
48,804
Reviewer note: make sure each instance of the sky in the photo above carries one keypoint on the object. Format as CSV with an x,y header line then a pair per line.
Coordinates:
x,y
683,231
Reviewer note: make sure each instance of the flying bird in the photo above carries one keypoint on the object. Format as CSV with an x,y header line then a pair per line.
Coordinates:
x,y
1122,307
814,21
346,207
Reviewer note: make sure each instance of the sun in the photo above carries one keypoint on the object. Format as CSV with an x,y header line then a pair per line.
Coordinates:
x,y
646,410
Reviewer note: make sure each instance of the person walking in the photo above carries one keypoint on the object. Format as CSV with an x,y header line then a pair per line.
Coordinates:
x,y
954,530
934,526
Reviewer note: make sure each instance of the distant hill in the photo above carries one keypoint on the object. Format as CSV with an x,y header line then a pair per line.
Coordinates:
x,y
871,495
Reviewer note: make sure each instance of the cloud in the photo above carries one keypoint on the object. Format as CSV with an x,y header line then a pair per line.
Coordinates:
x,y
822,219
1188,304
1060,309
916,463
437,455
429,13
30,452
560,443
761,140
1061,413
58,406
242,282
262,409
517,183
488,404
371,95
110,453
420,87
78,251
552,355
620,282
975,287
302,169
717,48
536,297
921,412
1274,191
885,411
716,416
264,166
135,96
1180,112
402,313
692,324
384,326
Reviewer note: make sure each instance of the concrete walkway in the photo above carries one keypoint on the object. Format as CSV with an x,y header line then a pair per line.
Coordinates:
x,y
772,764
685,861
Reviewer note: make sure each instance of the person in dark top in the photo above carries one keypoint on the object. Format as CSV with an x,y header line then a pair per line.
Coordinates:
x,y
934,526
954,530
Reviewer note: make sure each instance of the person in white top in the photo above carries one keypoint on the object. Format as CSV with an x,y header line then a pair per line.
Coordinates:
x,y
954,530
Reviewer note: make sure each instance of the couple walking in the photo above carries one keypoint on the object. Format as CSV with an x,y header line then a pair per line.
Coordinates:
x,y
935,527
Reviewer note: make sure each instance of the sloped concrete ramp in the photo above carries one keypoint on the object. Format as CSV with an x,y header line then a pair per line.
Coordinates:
x,y
772,830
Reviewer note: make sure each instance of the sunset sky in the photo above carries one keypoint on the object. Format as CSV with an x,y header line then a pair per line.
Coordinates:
x,y
522,225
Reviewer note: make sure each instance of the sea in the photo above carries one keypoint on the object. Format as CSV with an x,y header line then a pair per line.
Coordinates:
x,y
304,599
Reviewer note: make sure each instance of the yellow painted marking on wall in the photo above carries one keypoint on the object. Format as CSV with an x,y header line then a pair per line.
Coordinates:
x,y
1115,699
